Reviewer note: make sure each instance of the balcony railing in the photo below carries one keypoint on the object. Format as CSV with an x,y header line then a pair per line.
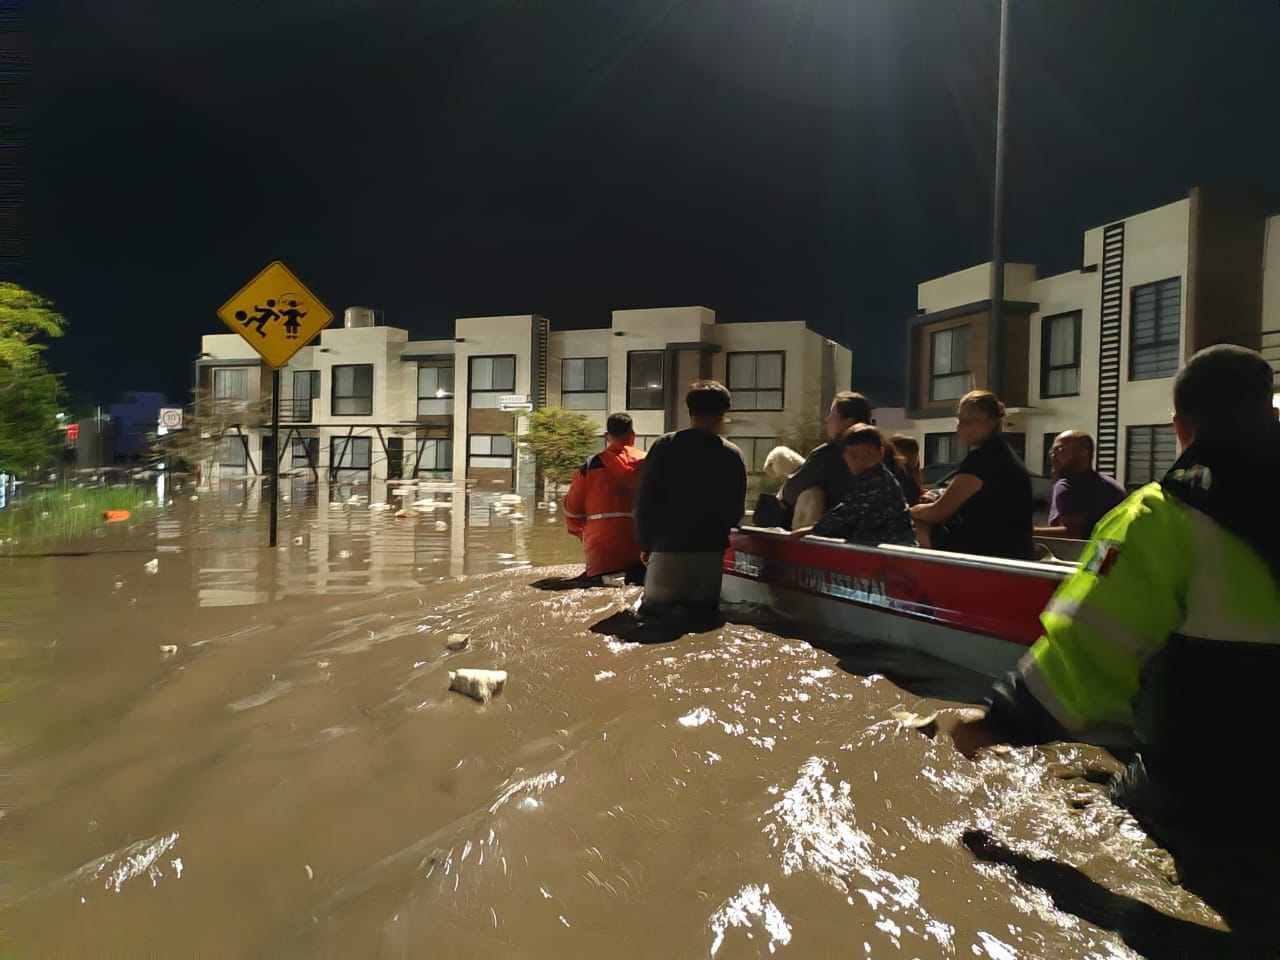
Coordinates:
x,y
294,410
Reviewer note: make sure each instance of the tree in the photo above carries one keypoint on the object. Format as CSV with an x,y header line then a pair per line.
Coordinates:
x,y
204,425
28,391
560,441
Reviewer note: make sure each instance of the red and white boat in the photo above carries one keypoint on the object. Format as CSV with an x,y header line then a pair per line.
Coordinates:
x,y
980,612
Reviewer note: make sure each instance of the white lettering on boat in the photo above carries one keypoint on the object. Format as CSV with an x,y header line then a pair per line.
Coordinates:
x,y
829,583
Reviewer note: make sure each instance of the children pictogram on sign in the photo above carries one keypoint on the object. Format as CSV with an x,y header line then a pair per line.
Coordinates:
x,y
265,314
292,316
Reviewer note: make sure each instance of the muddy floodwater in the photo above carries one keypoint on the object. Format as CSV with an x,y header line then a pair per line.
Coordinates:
x,y
255,753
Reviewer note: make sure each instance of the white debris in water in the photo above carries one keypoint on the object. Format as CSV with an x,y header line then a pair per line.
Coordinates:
x,y
44,515
441,525
511,498
168,649
915,721
193,498
311,874
379,506
552,506
176,863
344,554
457,641
119,583
747,908
299,541
479,685
401,514
605,675
517,516
152,566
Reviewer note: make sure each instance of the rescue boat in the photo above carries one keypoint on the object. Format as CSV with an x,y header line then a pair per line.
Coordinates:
x,y
980,612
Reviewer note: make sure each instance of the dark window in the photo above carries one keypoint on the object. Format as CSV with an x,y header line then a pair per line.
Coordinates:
x,y
435,456
1154,322
491,378
1060,355
268,451
754,450
584,383
435,387
305,452
950,378
1149,452
395,458
231,383
1018,443
349,459
353,390
644,379
942,448
233,452
490,450
755,380
306,387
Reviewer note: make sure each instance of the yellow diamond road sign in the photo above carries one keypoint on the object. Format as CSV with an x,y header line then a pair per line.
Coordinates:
x,y
276,314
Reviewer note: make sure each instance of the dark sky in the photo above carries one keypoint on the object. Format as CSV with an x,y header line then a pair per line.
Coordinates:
x,y
771,159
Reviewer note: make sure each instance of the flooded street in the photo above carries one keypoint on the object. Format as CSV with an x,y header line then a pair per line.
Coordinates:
x,y
255,753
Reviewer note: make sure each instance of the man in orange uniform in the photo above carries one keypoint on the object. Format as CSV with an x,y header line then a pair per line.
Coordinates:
x,y
599,506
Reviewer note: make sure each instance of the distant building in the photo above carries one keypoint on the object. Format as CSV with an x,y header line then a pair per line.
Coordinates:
x,y
136,416
1097,348
366,403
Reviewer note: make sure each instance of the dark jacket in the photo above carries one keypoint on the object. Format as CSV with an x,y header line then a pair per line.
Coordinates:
x,y
875,511
693,491
825,468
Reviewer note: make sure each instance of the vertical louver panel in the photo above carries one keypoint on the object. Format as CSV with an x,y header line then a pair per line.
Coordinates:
x,y
1109,347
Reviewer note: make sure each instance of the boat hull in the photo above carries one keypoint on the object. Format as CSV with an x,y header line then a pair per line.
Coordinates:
x,y
978,612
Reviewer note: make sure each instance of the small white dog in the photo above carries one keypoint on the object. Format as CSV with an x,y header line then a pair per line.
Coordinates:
x,y
781,463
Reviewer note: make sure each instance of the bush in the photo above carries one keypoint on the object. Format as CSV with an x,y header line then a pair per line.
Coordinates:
x,y
560,441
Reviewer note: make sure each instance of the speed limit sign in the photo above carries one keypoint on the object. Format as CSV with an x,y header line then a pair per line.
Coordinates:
x,y
171,418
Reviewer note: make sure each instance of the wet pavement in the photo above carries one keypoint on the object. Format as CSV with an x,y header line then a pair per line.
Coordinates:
x,y
255,753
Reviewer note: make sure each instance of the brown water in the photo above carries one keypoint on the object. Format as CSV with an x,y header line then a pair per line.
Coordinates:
x,y
296,779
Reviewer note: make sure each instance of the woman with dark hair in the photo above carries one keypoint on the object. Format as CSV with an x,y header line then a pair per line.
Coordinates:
x,y
874,510
908,451
987,508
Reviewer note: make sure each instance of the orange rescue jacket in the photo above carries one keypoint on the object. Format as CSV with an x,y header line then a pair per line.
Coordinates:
x,y
599,509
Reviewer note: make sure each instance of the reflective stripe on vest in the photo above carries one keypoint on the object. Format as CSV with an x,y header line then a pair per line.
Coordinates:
x,y
607,516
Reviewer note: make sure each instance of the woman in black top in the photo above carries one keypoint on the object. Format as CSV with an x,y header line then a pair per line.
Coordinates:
x,y
987,508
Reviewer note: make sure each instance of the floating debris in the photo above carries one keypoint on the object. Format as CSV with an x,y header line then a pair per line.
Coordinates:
x,y
168,649
457,641
299,541
480,685
152,566
441,525
344,554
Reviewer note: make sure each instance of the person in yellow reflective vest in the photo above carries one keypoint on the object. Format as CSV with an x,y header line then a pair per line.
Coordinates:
x,y
1167,642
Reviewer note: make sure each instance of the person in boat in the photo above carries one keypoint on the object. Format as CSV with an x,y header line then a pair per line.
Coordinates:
x,y
875,509
599,507
1167,640
987,508
1082,496
908,451
824,471
692,493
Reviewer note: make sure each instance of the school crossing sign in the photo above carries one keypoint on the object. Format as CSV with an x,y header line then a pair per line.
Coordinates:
x,y
276,314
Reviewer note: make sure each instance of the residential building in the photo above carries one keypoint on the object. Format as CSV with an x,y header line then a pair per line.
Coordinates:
x,y
365,403
1097,348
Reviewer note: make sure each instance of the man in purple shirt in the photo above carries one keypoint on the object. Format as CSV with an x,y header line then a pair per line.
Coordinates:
x,y
1082,496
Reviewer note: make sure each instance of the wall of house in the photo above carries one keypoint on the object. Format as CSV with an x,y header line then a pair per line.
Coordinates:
x,y
480,337
972,285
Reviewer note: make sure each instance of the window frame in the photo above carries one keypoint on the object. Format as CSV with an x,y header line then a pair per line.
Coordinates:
x,y
934,376
930,439
213,383
311,442
495,391
1159,343
781,390
333,389
473,455
446,401
662,385
1046,366
1162,430
300,403
441,443
565,392
349,442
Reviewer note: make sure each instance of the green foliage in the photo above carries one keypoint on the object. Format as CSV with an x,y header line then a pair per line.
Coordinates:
x,y
28,391
560,440
205,423
70,511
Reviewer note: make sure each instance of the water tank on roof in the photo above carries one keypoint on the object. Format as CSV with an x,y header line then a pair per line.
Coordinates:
x,y
358,317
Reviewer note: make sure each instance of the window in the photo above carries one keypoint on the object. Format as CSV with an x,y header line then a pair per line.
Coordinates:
x,y
645,441
304,452
490,450
306,387
644,379
395,458
584,383
491,378
1045,469
755,380
950,379
1149,452
754,450
942,448
1017,443
435,456
1154,321
349,458
233,452
353,390
231,383
1060,355
435,387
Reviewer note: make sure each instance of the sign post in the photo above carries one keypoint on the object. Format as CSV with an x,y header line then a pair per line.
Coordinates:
x,y
277,315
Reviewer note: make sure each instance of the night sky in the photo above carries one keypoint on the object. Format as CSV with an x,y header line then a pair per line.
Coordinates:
x,y
771,159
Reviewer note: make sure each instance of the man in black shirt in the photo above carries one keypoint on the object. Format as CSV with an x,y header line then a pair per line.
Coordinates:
x,y
825,470
692,492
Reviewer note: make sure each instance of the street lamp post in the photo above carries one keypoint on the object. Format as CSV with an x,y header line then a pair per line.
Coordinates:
x,y
996,344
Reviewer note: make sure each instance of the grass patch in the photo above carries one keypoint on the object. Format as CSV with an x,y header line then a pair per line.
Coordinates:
x,y
68,512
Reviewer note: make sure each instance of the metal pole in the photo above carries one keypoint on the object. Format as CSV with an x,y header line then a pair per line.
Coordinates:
x,y
996,347
274,473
